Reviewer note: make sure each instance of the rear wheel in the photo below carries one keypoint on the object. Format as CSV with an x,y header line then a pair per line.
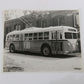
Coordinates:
x,y
12,48
46,51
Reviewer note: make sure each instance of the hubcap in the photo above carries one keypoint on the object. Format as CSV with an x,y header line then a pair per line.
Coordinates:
x,y
12,49
46,51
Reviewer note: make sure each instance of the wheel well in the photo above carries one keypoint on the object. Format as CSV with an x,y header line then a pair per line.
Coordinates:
x,y
11,44
45,44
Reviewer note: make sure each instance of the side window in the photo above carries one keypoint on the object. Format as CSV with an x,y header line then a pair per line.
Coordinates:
x,y
26,36
40,35
30,36
46,35
35,36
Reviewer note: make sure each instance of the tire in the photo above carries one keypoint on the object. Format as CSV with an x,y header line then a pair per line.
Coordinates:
x,y
12,48
46,51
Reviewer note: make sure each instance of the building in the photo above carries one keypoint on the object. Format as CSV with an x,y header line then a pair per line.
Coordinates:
x,y
43,19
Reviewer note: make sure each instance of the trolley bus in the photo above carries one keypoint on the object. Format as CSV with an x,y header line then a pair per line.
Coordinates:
x,y
49,40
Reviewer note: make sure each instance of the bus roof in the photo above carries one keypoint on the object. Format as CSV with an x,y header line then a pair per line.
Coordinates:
x,y
51,28
36,29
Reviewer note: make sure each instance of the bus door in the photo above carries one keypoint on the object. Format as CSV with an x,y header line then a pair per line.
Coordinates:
x,y
57,43
26,45
27,41
54,41
21,42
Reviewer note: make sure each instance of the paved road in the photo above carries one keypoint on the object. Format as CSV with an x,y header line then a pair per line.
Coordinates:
x,y
37,63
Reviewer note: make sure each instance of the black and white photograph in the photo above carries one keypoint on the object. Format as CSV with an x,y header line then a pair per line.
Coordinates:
x,y
42,41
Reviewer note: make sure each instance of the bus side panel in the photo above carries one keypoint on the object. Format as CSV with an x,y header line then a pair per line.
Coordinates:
x,y
21,46
16,44
35,46
56,46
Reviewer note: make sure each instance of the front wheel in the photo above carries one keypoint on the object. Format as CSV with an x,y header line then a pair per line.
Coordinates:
x,y
46,51
12,48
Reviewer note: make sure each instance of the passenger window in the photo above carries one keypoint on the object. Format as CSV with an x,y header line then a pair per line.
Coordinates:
x,y
46,35
41,35
35,36
30,36
26,36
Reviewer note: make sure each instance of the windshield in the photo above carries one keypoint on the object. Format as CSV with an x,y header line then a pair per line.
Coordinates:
x,y
69,35
74,35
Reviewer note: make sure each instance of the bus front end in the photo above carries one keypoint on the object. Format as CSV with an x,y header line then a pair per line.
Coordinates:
x,y
71,44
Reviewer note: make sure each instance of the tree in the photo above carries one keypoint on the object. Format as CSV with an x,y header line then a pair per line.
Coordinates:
x,y
6,15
